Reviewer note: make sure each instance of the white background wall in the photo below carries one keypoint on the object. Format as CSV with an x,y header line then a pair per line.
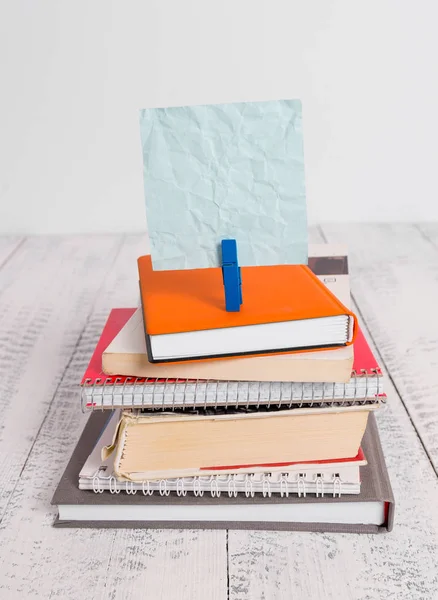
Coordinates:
x,y
73,75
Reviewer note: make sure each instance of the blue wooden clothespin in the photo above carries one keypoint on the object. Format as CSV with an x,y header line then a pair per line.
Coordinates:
x,y
231,276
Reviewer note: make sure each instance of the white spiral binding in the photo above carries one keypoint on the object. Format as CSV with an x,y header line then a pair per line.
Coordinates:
x,y
319,485
113,487
97,488
337,486
214,488
197,491
146,489
301,485
130,489
232,489
197,485
179,488
163,488
284,486
266,487
249,491
363,388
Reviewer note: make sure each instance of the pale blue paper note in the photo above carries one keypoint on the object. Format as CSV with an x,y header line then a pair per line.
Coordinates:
x,y
225,171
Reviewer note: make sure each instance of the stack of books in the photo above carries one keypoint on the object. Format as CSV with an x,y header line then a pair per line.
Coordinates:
x,y
260,419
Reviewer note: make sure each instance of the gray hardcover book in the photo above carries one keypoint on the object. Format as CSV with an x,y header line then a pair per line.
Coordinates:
x,y
371,511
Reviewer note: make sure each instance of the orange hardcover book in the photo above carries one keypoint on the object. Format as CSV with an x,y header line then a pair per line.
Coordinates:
x,y
285,308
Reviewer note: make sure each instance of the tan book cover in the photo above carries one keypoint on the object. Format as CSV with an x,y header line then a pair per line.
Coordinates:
x,y
163,445
126,355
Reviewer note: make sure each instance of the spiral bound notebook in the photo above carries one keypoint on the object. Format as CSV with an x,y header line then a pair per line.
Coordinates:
x,y
329,377
371,511
101,391
321,478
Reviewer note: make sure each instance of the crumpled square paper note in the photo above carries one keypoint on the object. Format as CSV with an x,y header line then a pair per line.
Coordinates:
x,y
224,171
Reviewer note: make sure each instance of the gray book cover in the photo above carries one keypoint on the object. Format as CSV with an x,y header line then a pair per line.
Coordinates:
x,y
375,487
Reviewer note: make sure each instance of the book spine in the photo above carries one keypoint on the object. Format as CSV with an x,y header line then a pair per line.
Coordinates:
x,y
169,394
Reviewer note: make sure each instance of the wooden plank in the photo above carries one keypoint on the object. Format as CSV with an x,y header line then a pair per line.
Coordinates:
x,y
8,245
177,564
429,231
395,282
401,564
279,565
47,290
103,563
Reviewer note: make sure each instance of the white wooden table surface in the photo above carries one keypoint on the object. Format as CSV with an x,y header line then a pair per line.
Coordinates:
x,y
55,294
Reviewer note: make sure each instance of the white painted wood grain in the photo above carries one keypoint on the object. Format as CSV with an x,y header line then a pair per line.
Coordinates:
x,y
168,565
47,289
429,231
39,561
399,565
44,562
394,280
8,245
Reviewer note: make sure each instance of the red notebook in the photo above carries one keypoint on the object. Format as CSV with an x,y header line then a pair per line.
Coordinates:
x,y
104,391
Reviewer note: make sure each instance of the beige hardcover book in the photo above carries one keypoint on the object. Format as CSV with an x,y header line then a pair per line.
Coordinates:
x,y
157,446
126,355
321,477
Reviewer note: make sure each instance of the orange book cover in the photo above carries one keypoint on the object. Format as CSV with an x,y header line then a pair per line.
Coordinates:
x,y
193,300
